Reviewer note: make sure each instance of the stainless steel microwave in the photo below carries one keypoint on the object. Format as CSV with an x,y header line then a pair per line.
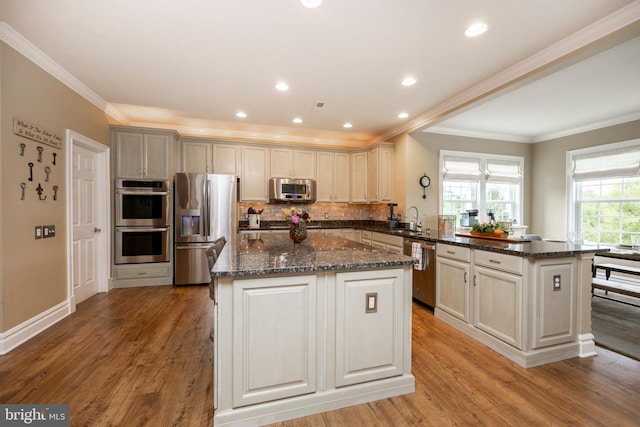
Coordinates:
x,y
292,190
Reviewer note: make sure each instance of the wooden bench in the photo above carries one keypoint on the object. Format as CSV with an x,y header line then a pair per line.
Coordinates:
x,y
616,287
608,268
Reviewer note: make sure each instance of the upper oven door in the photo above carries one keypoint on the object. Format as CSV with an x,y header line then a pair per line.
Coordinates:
x,y
142,208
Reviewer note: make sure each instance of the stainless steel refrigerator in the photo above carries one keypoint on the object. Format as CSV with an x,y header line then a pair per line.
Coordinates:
x,y
205,209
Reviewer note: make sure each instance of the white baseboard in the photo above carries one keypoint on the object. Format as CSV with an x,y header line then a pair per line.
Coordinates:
x,y
32,327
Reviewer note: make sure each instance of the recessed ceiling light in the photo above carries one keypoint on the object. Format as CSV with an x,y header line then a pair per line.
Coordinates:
x,y
403,115
311,4
297,120
241,114
476,29
282,86
409,81
347,125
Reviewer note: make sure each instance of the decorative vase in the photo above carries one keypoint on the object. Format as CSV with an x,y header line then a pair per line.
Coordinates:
x,y
298,232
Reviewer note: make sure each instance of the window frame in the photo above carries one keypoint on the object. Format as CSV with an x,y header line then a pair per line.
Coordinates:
x,y
482,182
573,216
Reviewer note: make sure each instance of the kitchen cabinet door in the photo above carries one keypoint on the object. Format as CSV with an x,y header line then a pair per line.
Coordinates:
x,y
274,355
287,163
452,287
253,182
372,175
341,177
325,189
362,357
142,155
359,189
280,163
497,304
197,157
226,159
386,159
129,155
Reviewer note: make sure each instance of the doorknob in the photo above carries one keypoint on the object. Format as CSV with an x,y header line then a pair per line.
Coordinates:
x,y
96,230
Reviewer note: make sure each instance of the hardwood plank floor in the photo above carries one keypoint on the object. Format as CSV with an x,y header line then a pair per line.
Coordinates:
x,y
142,356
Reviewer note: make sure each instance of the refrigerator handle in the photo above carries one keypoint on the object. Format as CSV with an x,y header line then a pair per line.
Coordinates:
x,y
205,208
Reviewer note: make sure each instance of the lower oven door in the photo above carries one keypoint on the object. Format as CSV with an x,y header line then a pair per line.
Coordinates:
x,y
141,245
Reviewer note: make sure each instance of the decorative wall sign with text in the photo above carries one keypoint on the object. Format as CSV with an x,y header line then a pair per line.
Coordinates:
x,y
35,133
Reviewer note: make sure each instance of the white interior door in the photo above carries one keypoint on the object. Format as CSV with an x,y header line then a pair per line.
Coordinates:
x,y
88,216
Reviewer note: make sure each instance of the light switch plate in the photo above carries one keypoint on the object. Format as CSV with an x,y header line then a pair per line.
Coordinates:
x,y
48,231
38,232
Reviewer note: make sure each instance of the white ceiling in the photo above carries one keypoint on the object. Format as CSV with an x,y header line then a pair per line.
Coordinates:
x,y
190,65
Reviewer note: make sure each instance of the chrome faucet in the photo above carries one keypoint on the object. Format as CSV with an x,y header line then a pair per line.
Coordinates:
x,y
412,225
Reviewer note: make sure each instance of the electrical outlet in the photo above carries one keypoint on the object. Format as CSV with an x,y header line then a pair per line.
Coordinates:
x,y
556,282
326,215
48,231
371,302
38,232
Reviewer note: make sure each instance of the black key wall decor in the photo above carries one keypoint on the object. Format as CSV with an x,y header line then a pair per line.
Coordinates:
x,y
40,150
22,147
47,171
55,192
54,158
22,188
40,190
30,171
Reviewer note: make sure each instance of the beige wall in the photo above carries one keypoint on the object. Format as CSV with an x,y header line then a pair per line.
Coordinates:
x,y
549,191
33,272
420,154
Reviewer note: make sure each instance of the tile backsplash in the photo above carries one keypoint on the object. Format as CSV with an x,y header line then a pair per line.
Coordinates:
x,y
320,211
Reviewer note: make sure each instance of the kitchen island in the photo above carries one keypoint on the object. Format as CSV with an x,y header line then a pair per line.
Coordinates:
x,y
529,301
305,328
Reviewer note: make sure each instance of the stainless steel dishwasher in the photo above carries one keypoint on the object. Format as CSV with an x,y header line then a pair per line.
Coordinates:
x,y
424,280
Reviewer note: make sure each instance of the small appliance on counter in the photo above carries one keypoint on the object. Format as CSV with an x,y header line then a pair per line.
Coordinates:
x,y
254,218
468,218
394,219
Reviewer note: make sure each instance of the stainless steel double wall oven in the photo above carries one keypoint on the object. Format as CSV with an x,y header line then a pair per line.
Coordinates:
x,y
142,221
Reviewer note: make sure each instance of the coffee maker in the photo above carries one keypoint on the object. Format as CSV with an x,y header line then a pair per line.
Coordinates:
x,y
468,218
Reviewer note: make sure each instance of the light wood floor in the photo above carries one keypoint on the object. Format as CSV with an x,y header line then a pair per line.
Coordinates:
x,y
142,356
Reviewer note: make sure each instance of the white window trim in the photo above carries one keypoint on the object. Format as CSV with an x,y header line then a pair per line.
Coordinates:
x,y
483,159
571,196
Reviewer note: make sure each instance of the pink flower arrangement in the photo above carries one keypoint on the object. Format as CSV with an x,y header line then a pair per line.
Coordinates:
x,y
296,215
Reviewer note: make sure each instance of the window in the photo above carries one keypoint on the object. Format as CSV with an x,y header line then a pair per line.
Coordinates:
x,y
605,193
481,181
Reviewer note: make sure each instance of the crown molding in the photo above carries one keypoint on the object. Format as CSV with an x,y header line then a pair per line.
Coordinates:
x,y
445,130
27,49
599,31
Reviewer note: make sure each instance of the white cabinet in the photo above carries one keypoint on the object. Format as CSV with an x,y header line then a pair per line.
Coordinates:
x,y
275,356
253,182
452,280
299,344
209,157
288,163
387,242
527,309
332,177
497,295
226,159
372,175
368,301
380,163
497,304
359,189
143,154
197,157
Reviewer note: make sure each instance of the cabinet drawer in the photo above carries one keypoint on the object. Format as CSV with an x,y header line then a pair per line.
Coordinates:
x,y
142,272
508,263
453,252
387,239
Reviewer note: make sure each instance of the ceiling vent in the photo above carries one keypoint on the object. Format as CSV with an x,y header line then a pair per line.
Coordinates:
x,y
317,106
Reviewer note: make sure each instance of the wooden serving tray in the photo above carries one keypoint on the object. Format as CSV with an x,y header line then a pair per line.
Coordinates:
x,y
490,237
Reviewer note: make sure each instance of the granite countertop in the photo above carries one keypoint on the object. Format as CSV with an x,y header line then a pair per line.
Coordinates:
x,y
533,249
275,253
